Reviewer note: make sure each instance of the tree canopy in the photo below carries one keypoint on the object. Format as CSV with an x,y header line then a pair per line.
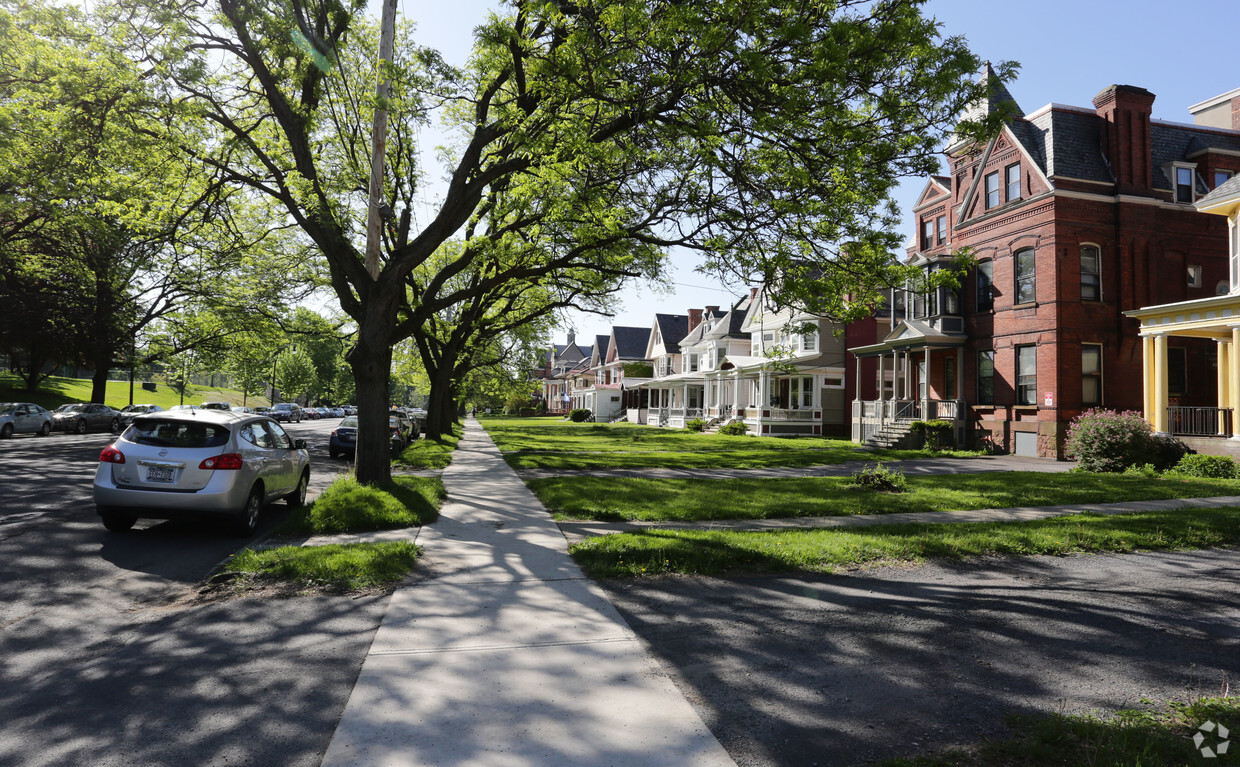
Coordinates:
x,y
593,135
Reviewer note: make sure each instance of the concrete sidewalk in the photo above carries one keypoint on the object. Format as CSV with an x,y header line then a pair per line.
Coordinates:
x,y
504,654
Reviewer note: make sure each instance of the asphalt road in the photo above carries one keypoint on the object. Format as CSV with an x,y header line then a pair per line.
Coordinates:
x,y
849,669
96,665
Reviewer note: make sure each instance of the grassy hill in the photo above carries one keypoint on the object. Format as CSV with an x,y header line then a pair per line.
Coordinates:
x,y
54,392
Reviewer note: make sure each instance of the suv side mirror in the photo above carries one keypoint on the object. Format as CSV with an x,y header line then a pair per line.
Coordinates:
x,y
299,444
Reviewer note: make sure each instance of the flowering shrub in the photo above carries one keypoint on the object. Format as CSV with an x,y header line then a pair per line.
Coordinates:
x,y
1208,467
1106,440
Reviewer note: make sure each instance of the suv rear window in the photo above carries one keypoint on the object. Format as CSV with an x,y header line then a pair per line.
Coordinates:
x,y
177,434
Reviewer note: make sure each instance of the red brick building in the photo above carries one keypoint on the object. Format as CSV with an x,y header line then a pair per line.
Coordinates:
x,y
1074,215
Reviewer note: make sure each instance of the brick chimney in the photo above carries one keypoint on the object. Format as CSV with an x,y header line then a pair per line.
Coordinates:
x,y
712,310
1126,136
572,337
695,318
753,294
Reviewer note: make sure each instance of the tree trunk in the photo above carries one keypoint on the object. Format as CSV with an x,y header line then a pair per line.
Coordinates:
x,y
102,354
439,407
371,360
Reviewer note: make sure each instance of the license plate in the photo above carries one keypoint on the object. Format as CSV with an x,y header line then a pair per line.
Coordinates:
x,y
159,474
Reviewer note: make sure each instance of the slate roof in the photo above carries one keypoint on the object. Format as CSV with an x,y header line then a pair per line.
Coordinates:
x,y
696,335
1068,142
630,342
672,329
600,343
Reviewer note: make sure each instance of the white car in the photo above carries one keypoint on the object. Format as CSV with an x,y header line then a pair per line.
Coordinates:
x,y
23,417
190,463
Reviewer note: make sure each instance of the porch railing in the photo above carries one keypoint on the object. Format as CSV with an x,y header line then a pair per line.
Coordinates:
x,y
1199,421
791,414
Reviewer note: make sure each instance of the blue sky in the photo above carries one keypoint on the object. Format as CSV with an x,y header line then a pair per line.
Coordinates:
x,y
1183,52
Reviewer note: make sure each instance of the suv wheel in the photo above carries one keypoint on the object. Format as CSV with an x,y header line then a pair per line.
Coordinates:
x,y
117,521
297,498
246,521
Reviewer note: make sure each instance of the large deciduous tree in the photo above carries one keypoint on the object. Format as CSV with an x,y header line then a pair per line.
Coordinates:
x,y
762,135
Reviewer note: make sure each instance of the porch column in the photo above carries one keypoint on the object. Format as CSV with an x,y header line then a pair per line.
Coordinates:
x,y
1224,395
1147,377
925,404
857,379
959,373
1160,383
1233,379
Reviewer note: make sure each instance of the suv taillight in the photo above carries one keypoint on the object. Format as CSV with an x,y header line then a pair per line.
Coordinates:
x,y
111,455
227,461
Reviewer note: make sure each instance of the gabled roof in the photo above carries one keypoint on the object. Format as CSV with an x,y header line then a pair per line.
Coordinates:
x,y
599,355
672,329
630,342
911,333
704,328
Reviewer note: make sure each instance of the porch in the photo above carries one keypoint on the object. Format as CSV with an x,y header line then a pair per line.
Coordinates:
x,y
915,362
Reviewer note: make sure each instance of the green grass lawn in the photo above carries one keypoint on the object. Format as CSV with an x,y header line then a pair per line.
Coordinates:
x,y
54,392
431,453
547,443
1129,738
336,568
349,507
714,552
603,498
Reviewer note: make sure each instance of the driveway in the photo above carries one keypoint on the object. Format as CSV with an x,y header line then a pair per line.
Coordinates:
x,y
849,669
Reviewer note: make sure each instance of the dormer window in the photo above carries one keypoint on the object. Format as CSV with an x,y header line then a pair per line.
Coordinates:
x,y
1184,186
1221,177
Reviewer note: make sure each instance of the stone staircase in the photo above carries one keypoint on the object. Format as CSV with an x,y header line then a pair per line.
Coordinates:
x,y
894,435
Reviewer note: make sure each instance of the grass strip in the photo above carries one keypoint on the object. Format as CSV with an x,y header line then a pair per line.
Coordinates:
x,y
713,552
335,568
686,500
430,453
347,506
1128,738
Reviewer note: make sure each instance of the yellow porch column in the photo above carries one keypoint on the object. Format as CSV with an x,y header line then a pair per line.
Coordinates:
x,y
1147,377
1233,379
1224,393
1160,383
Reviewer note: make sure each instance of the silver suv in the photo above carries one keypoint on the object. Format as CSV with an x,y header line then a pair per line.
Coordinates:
x,y
189,463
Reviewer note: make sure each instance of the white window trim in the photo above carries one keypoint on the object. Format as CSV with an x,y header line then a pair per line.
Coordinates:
x,y
1101,375
1098,248
1191,167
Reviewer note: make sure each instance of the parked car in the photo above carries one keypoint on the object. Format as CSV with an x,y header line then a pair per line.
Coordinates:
x,y
129,412
311,412
216,406
408,429
198,462
80,417
289,412
349,410
337,412
343,440
262,411
321,412
17,417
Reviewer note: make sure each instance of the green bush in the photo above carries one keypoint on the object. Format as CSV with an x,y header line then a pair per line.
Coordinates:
x,y
881,479
1146,470
1110,441
347,506
1208,467
580,415
734,429
695,424
936,434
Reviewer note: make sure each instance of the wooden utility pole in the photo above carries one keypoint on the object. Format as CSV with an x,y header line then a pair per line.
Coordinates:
x,y
378,137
